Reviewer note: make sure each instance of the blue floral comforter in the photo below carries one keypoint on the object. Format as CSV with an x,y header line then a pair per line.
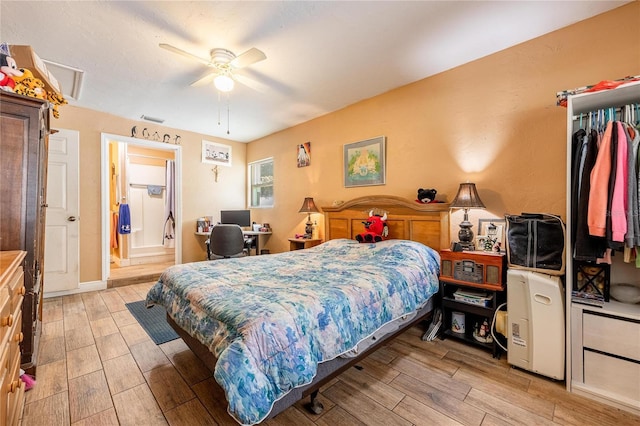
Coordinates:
x,y
271,319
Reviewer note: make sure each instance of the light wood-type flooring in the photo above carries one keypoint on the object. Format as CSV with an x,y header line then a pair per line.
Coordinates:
x,y
97,366
121,276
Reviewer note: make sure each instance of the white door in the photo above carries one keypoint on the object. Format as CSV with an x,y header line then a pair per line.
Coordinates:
x,y
61,255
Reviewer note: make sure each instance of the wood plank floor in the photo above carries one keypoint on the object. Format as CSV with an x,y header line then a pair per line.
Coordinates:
x,y
97,366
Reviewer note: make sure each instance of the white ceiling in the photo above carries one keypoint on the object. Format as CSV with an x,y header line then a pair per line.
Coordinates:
x,y
321,55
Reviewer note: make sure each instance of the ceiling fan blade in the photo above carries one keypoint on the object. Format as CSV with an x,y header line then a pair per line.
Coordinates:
x,y
206,79
250,83
181,52
247,58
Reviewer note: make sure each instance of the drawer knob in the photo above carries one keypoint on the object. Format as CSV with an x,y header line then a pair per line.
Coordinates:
x,y
14,386
23,290
7,321
19,337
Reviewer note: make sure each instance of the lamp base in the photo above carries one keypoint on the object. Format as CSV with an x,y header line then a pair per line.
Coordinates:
x,y
308,229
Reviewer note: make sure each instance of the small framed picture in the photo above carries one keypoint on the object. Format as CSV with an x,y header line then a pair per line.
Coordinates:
x,y
303,153
364,162
494,230
216,153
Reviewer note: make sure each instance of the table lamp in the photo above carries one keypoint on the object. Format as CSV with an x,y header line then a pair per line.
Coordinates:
x,y
466,198
308,206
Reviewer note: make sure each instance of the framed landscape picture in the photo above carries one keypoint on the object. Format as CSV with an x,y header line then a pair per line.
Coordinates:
x,y
364,162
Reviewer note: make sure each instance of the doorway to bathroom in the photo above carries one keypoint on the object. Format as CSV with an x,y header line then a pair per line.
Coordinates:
x,y
141,208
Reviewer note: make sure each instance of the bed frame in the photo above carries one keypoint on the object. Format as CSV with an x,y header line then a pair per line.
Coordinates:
x,y
406,219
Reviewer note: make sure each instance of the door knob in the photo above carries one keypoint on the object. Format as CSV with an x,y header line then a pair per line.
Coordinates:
x,y
71,218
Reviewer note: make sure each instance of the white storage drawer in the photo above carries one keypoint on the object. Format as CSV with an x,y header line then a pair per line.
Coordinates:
x,y
611,335
617,377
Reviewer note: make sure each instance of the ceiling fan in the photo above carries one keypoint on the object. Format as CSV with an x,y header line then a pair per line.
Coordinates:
x,y
224,62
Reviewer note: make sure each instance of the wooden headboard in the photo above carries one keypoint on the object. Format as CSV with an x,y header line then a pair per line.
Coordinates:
x,y
406,219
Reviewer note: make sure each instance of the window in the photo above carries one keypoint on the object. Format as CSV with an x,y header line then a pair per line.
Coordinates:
x,y
261,183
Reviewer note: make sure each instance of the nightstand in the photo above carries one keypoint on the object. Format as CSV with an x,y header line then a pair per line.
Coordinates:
x,y
472,287
303,243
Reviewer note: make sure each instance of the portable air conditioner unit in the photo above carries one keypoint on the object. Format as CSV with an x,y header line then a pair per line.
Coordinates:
x,y
535,323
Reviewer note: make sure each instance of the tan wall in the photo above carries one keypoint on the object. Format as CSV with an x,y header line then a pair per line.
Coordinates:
x,y
201,194
493,122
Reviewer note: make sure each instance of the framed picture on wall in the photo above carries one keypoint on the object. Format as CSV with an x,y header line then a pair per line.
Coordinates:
x,y
364,162
216,153
303,152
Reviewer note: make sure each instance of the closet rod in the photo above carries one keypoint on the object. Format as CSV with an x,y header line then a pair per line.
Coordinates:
x,y
142,185
618,110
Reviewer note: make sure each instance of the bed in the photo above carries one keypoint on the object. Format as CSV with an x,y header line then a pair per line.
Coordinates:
x,y
273,329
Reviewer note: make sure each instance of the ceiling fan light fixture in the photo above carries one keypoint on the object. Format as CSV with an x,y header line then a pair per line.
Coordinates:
x,y
224,83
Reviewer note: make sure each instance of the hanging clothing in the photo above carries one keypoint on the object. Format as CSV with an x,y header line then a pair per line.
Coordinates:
x,y
170,205
586,247
599,192
632,238
620,187
124,219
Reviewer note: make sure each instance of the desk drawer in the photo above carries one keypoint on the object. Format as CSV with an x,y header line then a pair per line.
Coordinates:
x,y
617,336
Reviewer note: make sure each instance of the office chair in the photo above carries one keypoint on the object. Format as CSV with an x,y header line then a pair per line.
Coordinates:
x,y
225,241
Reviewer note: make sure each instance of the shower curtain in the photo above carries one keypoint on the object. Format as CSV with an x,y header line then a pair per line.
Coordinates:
x,y
168,239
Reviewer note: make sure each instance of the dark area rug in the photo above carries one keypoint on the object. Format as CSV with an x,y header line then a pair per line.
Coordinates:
x,y
154,322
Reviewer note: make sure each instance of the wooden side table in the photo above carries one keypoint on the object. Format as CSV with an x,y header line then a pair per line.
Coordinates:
x,y
460,273
303,243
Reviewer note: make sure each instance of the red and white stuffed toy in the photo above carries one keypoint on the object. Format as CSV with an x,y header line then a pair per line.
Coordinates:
x,y
376,229
8,70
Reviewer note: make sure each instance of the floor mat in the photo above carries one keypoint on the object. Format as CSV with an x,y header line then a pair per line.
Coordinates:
x,y
154,322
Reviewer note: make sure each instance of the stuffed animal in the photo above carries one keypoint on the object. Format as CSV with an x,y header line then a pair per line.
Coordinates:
x,y
8,70
28,85
426,195
56,99
376,229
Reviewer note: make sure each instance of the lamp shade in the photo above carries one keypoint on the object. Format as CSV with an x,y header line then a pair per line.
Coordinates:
x,y
467,198
223,83
308,206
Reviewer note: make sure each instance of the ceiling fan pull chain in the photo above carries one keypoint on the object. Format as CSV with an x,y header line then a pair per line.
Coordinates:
x,y
228,115
218,108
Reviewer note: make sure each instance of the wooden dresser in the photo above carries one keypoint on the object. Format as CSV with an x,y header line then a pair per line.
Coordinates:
x,y
24,130
12,292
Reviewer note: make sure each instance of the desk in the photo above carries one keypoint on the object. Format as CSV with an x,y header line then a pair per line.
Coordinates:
x,y
255,234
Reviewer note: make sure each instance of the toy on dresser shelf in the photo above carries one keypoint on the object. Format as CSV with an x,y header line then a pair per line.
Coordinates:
x,y
8,71
426,196
376,229
28,85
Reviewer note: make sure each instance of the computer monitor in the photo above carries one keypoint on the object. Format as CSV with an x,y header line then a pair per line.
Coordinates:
x,y
241,218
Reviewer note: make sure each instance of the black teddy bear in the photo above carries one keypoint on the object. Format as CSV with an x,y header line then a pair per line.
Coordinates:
x,y
426,195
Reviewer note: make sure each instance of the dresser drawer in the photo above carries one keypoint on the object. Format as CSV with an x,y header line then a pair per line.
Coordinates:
x,y
5,382
15,390
6,320
16,287
615,336
617,377
15,337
